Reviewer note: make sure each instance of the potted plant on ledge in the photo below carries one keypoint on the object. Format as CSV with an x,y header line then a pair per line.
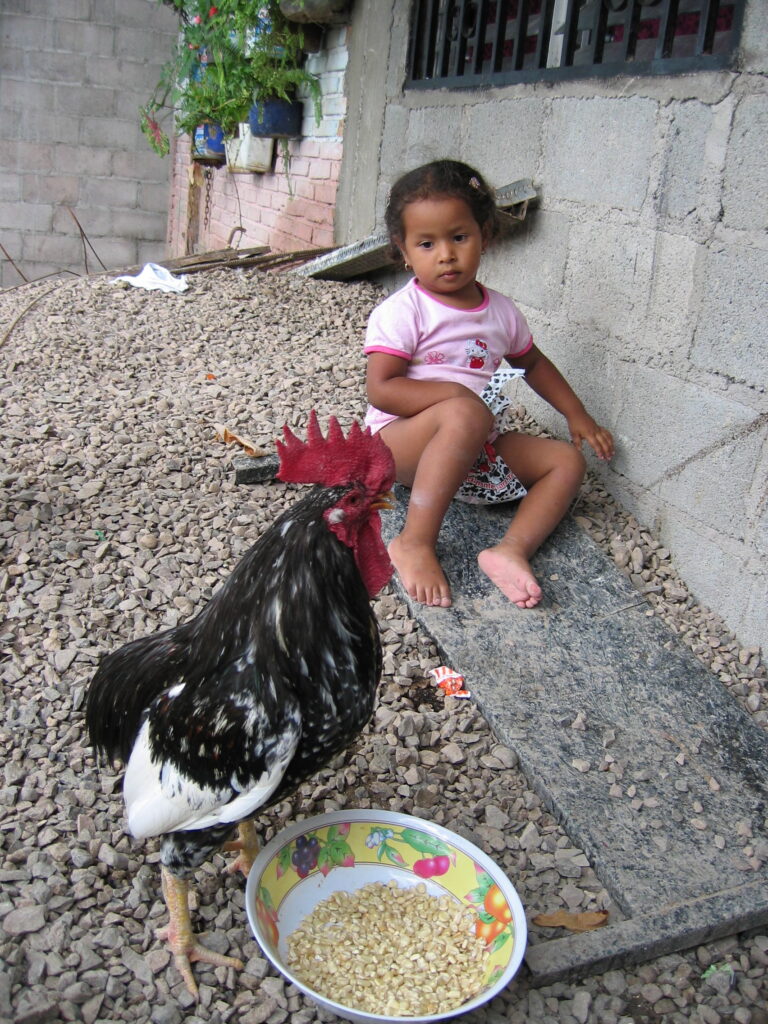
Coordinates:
x,y
232,60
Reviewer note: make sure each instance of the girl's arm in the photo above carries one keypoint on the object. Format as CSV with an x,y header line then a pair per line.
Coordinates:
x,y
391,391
546,380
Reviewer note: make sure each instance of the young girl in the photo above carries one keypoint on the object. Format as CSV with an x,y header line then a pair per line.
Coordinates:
x,y
432,347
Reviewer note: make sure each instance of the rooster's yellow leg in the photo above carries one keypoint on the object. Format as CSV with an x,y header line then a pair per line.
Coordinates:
x,y
179,936
248,846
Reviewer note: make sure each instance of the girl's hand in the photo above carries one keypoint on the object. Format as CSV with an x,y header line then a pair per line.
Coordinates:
x,y
583,428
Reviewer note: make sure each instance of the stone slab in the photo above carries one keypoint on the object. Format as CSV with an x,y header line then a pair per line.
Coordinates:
x,y
697,762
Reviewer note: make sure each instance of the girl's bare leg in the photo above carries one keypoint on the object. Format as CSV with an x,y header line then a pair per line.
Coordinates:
x,y
552,471
433,453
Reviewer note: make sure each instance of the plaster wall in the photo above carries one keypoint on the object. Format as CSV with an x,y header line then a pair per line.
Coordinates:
x,y
642,271
73,74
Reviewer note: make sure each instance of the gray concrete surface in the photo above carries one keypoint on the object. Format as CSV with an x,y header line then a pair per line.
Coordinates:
x,y
649,764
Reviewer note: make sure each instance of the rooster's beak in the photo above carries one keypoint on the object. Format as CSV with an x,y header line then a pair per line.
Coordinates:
x,y
384,500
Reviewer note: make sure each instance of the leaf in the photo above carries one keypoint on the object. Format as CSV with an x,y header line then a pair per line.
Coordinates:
x,y
392,853
338,851
476,895
484,880
224,434
583,922
423,843
283,861
500,940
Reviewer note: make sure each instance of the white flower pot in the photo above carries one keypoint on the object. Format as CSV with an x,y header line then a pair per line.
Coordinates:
x,y
247,154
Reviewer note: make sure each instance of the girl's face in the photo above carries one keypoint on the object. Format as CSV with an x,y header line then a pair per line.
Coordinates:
x,y
443,243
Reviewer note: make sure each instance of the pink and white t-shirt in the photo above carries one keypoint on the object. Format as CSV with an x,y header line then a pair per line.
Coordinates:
x,y
443,343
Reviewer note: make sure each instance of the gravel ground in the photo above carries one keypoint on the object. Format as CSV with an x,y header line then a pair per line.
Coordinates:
x,y
122,517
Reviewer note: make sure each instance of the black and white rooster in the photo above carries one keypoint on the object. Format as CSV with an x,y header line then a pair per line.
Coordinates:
x,y
230,711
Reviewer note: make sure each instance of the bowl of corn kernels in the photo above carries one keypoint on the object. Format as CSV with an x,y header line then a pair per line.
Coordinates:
x,y
379,917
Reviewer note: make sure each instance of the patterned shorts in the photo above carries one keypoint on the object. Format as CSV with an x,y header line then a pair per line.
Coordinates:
x,y
491,481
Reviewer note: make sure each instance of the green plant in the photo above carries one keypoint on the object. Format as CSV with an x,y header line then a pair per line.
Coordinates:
x,y
229,56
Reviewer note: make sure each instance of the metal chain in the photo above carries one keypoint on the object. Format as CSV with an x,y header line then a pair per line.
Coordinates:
x,y
208,175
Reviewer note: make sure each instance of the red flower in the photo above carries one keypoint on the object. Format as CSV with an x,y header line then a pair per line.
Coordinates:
x,y
196,20
213,10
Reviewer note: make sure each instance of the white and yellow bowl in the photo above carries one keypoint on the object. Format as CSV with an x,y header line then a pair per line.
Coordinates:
x,y
347,850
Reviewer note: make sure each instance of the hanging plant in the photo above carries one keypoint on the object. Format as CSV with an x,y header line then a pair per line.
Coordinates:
x,y
229,56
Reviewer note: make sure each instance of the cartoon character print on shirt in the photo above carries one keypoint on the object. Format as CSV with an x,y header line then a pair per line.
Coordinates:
x,y
477,354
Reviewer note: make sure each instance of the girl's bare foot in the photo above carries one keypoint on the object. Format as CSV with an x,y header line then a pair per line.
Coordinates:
x,y
420,571
510,570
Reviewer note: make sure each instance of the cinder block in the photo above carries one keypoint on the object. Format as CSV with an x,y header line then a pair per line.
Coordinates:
x,y
86,101
530,265
393,158
733,310
132,74
84,37
667,329
143,164
152,252
666,421
116,253
26,217
433,133
10,187
76,10
34,156
110,133
698,485
26,96
83,160
95,221
59,67
60,250
136,224
29,31
508,135
113,193
690,186
48,127
598,151
608,276
51,188
155,19
745,185
154,198
715,569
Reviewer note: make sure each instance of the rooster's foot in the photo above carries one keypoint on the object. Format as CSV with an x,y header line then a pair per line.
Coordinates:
x,y
248,846
178,934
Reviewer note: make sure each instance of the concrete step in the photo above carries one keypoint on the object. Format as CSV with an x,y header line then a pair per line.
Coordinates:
x,y
669,723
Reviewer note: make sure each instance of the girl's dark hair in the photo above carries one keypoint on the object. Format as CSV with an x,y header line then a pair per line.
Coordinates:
x,y
442,179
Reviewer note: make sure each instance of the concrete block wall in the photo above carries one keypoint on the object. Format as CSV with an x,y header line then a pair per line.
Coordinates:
x,y
643,272
73,74
288,209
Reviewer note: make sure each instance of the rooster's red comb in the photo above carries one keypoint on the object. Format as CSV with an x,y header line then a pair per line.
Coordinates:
x,y
335,459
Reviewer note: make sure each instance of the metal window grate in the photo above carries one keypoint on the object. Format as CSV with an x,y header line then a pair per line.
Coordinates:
x,y
472,43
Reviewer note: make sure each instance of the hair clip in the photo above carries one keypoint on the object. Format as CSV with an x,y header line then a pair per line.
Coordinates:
x,y
474,183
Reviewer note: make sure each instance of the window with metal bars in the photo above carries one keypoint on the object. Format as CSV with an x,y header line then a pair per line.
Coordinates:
x,y
471,43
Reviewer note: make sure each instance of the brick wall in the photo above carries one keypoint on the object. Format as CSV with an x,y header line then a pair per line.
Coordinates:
x,y
72,76
287,211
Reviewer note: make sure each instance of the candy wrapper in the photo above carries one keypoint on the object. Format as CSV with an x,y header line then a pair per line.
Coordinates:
x,y
450,682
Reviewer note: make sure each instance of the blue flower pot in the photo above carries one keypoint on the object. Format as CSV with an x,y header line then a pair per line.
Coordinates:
x,y
276,118
208,144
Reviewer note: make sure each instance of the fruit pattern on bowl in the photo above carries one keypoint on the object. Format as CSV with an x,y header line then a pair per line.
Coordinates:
x,y
426,856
